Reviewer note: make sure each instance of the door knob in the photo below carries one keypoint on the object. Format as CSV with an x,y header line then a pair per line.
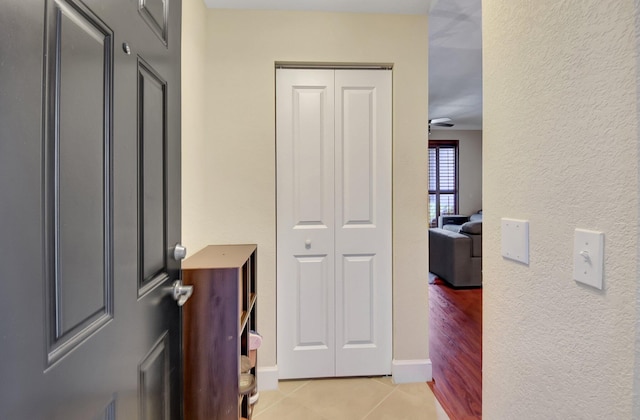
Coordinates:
x,y
179,252
181,293
307,243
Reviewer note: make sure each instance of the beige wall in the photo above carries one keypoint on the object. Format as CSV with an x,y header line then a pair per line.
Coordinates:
x,y
194,118
233,196
560,150
470,172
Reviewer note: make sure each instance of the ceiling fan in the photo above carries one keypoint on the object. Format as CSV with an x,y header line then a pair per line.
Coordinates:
x,y
440,122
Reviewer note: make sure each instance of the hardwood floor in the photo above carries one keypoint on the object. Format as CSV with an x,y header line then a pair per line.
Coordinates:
x,y
455,346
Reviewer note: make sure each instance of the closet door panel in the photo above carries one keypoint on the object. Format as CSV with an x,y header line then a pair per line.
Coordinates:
x,y
363,228
333,222
305,220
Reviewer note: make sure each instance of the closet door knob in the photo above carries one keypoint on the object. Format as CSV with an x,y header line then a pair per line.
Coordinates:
x,y
307,244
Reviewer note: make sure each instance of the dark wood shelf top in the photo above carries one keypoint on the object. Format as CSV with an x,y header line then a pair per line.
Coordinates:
x,y
219,256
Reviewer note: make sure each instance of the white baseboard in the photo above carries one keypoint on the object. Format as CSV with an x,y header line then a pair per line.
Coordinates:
x,y
403,371
407,371
268,378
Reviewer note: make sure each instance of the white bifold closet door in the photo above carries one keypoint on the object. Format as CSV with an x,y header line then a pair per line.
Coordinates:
x,y
334,314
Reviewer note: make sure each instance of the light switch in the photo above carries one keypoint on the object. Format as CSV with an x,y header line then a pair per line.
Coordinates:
x,y
588,257
515,240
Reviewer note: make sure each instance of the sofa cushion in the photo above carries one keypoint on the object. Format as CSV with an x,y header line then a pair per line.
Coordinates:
x,y
452,228
476,217
472,228
474,231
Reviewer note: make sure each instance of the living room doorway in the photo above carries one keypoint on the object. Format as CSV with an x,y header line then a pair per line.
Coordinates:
x,y
455,310
455,98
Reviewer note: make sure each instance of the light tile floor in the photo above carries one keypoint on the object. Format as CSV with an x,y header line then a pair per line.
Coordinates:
x,y
348,399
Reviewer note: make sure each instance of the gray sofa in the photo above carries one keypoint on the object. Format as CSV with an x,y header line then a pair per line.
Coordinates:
x,y
456,257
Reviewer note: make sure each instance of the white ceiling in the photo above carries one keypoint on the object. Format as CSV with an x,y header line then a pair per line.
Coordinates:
x,y
412,7
455,62
455,46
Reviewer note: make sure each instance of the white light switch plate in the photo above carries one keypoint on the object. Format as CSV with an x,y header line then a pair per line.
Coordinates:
x,y
515,240
588,257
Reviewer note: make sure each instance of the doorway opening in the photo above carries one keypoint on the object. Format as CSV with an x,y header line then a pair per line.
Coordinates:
x,y
455,112
334,278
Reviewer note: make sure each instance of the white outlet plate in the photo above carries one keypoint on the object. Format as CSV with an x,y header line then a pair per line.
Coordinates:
x,y
515,240
588,257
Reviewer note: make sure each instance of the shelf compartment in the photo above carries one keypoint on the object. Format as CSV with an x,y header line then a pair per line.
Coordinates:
x,y
244,317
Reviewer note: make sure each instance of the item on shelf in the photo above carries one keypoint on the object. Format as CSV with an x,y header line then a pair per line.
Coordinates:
x,y
246,364
247,383
254,398
255,340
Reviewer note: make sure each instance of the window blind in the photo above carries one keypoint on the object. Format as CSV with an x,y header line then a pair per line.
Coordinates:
x,y
443,179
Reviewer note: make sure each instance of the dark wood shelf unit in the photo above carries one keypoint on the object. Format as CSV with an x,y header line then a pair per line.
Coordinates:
x,y
217,320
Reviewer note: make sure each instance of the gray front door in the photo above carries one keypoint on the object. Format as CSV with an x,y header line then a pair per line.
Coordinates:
x,y
89,209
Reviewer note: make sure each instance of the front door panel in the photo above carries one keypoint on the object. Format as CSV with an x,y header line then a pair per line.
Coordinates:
x,y
152,195
90,176
78,175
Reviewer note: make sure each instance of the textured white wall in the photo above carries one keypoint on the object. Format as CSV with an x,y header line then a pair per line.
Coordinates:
x,y
470,172
233,200
636,375
560,149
